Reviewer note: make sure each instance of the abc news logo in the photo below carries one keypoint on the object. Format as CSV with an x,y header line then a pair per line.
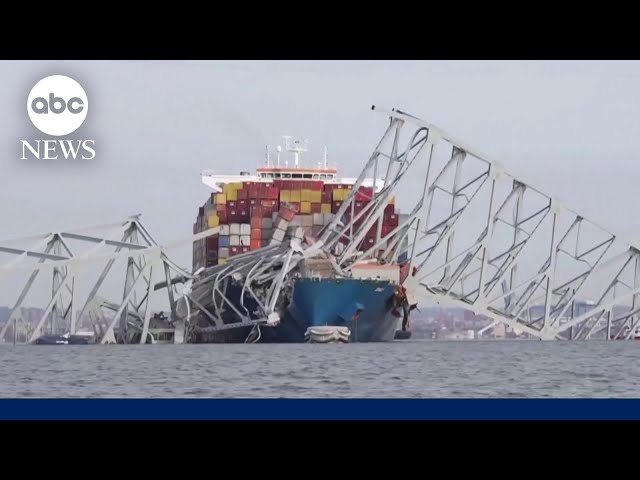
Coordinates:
x,y
58,106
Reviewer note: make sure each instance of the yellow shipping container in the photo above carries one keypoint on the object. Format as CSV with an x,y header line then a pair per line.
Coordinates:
x,y
285,195
214,220
237,185
316,196
222,261
305,207
340,194
305,195
325,208
232,195
221,198
295,196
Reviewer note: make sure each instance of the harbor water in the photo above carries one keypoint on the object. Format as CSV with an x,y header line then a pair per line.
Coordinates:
x,y
418,369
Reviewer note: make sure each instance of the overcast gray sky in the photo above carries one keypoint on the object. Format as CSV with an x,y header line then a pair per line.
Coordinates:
x,y
571,128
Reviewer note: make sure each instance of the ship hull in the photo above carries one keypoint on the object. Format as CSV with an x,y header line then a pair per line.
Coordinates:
x,y
363,306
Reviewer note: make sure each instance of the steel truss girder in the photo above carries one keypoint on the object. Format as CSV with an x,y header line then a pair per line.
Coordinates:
x,y
483,239
261,276
133,319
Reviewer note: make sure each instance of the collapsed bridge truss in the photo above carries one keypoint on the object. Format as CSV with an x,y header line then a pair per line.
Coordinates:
x,y
478,237
491,243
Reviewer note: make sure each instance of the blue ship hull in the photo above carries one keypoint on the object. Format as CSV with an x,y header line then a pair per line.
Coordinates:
x,y
364,306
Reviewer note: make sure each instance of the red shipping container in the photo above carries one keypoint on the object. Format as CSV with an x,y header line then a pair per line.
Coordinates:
x,y
244,249
231,205
212,243
242,194
242,204
256,221
373,231
387,229
287,212
254,201
222,215
316,208
243,216
273,193
364,194
327,196
234,251
256,244
389,209
267,203
336,206
256,233
253,191
221,207
201,211
256,211
317,185
391,220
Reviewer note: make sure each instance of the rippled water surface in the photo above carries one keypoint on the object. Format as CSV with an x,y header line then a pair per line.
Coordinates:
x,y
402,369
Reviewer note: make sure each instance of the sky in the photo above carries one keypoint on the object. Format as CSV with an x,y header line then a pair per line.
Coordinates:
x,y
569,127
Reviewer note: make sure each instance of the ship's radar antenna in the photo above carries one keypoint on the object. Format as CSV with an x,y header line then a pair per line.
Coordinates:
x,y
296,147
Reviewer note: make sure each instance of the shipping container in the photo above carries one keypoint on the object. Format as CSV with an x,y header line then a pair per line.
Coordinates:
x,y
214,220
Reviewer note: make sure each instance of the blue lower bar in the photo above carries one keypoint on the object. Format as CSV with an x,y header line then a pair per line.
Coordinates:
x,y
325,409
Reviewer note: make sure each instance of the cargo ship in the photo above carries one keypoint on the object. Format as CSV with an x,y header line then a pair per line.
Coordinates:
x,y
247,207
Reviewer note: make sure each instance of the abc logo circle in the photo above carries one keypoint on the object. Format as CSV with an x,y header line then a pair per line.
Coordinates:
x,y
57,105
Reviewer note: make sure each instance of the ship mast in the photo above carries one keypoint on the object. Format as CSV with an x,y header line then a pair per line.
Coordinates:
x,y
297,147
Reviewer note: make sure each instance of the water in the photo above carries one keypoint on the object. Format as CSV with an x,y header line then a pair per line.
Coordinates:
x,y
401,369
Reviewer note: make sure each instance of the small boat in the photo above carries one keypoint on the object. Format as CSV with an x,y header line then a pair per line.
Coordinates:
x,y
64,339
327,334
402,335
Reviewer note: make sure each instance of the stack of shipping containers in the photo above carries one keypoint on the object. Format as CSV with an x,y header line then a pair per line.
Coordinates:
x,y
247,214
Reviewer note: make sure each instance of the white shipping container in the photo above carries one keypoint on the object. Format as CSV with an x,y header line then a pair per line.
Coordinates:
x,y
282,225
297,221
318,218
278,235
234,240
307,220
245,229
224,230
245,240
234,229
223,253
328,217
267,223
